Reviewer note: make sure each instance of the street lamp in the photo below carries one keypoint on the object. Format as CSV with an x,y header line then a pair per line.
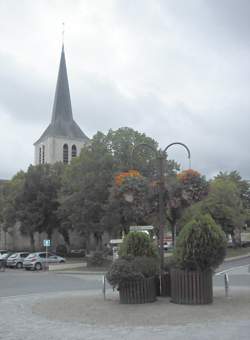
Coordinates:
x,y
160,155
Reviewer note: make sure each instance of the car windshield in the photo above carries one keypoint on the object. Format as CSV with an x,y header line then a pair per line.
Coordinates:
x,y
14,255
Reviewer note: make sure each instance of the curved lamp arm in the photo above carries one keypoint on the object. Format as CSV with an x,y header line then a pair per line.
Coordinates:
x,y
182,144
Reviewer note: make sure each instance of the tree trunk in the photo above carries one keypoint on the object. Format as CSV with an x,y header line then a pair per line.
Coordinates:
x,y
32,242
236,237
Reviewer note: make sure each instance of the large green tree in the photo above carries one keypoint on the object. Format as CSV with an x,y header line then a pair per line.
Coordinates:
x,y
36,201
224,204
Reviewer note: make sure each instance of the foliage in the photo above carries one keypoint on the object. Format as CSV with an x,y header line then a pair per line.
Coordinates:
x,y
138,243
61,250
89,200
243,187
132,268
119,178
36,200
201,244
182,191
169,262
97,259
225,206
85,190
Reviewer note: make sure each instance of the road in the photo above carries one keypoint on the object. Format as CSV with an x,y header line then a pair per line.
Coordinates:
x,y
15,282
19,282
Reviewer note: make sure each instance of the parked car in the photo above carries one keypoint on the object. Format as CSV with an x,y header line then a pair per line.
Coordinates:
x,y
3,257
36,261
16,260
3,252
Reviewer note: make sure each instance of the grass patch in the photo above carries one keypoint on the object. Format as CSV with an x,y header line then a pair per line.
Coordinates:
x,y
231,252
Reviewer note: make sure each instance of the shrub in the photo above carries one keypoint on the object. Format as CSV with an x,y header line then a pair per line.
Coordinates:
x,y
97,259
132,268
201,244
138,243
169,262
61,250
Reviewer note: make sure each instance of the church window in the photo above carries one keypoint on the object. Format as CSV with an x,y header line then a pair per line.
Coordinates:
x,y
73,151
43,154
40,155
65,154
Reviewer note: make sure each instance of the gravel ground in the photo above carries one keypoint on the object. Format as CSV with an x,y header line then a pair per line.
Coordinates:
x,y
85,315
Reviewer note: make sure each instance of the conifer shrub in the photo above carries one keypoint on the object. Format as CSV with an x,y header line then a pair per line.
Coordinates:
x,y
138,259
201,244
132,268
138,243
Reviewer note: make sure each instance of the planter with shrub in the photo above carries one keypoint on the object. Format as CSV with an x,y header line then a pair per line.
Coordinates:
x,y
200,248
133,274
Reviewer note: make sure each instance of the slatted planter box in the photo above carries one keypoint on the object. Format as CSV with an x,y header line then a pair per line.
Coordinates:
x,y
165,285
191,287
138,291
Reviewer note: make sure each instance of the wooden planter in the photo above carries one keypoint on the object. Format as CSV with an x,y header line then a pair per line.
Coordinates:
x,y
191,287
138,291
163,289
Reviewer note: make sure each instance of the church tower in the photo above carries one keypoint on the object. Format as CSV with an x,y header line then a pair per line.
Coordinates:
x,y
63,139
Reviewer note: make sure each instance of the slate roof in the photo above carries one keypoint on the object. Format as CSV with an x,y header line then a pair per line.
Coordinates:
x,y
62,122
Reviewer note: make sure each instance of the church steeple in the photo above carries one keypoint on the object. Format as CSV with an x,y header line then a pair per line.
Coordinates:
x,y
62,110
62,122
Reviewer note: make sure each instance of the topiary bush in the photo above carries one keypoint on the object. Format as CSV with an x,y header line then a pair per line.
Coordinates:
x,y
132,268
201,244
138,243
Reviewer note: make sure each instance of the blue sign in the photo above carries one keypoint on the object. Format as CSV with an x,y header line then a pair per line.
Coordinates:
x,y
46,243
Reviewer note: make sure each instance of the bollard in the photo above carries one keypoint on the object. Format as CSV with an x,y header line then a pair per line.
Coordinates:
x,y
226,281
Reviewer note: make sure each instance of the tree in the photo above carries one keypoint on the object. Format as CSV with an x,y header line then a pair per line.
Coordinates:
x,y
183,190
129,203
89,200
85,190
36,200
244,190
224,204
9,192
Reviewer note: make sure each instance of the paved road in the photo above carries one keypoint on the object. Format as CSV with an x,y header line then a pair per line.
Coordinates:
x,y
19,282
238,273
15,282
234,263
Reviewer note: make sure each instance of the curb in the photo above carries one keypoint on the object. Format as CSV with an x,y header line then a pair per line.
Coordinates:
x,y
237,257
83,272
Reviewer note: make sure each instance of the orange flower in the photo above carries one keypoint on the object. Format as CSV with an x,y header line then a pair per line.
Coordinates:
x,y
119,178
186,175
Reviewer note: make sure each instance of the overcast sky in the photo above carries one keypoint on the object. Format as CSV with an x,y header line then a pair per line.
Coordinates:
x,y
177,70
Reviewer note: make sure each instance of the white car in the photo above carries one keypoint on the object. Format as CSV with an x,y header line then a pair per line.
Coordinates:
x,y
37,261
16,260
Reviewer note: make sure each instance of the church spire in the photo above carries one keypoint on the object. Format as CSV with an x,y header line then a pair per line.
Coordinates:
x,y
62,122
62,110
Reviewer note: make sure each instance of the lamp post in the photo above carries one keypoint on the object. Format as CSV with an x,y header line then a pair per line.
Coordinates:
x,y
160,155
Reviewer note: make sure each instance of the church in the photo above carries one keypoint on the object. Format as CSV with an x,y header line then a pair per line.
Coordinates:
x,y
63,138
61,141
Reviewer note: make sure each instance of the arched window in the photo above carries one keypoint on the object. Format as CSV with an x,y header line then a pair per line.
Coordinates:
x,y
65,154
73,151
43,155
40,155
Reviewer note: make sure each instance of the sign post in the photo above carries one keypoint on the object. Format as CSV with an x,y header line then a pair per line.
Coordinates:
x,y
46,244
